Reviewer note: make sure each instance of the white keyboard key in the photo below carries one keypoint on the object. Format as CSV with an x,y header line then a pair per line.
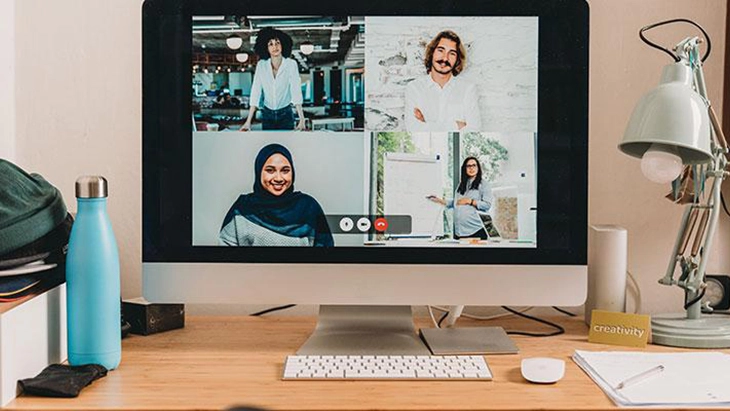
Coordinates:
x,y
338,374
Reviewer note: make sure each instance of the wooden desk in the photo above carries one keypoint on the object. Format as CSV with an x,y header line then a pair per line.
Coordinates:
x,y
215,363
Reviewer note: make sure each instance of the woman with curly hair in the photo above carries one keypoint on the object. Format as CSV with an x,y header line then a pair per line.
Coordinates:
x,y
276,83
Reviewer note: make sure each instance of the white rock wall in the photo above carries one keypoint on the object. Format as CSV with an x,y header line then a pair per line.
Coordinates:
x,y
501,59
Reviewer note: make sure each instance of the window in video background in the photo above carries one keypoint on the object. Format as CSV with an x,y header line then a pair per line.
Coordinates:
x,y
420,175
314,80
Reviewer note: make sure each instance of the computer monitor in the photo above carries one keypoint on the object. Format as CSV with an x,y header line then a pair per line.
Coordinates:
x,y
462,182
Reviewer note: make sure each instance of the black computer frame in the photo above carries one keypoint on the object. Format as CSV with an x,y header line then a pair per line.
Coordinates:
x,y
562,143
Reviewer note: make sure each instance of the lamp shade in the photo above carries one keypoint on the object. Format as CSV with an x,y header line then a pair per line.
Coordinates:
x,y
306,48
234,42
672,115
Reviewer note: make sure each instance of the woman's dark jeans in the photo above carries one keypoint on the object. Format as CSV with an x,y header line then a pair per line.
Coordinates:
x,y
481,234
281,119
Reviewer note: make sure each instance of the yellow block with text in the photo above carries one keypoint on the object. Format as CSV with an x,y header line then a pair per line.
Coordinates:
x,y
630,330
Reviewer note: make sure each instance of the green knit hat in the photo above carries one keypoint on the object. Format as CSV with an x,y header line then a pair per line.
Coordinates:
x,y
30,207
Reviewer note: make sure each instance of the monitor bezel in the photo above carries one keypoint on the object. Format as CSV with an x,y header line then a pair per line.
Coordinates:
x,y
562,150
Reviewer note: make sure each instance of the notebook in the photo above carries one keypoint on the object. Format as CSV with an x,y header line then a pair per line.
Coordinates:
x,y
686,379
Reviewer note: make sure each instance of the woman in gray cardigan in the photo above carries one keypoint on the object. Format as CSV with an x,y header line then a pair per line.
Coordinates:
x,y
471,197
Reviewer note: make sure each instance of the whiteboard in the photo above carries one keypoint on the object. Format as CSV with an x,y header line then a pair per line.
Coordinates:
x,y
407,180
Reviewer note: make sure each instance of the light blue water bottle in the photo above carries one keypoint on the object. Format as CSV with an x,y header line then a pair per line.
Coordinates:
x,y
92,280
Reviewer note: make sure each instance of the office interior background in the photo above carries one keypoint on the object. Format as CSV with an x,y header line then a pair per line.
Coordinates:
x,y
70,104
331,73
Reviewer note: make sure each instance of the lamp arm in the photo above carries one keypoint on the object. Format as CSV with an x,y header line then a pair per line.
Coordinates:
x,y
722,141
694,266
697,281
697,246
699,74
680,243
688,229
699,77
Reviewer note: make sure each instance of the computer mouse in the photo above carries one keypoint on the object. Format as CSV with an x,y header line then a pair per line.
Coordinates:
x,y
543,370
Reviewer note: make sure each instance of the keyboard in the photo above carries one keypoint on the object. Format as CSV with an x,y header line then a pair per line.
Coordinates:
x,y
386,367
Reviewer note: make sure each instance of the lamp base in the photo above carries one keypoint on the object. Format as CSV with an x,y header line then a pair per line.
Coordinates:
x,y
676,330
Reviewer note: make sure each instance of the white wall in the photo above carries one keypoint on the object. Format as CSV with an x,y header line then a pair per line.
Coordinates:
x,y
622,70
7,79
78,73
518,179
78,112
501,61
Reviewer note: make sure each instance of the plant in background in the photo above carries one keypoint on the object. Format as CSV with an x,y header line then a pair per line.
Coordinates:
x,y
488,150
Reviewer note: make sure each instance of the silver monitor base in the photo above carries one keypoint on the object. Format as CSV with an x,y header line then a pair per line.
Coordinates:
x,y
364,330
676,330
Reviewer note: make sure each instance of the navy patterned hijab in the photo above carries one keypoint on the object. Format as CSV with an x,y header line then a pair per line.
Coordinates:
x,y
293,213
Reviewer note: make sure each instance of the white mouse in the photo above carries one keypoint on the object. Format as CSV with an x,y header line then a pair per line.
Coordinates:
x,y
543,370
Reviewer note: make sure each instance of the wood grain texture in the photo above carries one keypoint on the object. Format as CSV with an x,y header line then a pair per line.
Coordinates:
x,y
217,363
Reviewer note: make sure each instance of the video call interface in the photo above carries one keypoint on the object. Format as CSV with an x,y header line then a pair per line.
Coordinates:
x,y
359,131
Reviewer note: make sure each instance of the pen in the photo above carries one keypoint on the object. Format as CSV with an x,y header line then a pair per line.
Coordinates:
x,y
640,377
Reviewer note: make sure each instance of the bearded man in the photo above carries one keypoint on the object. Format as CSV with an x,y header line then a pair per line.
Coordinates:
x,y
439,101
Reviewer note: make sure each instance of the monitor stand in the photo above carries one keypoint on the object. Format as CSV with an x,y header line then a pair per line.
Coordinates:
x,y
364,330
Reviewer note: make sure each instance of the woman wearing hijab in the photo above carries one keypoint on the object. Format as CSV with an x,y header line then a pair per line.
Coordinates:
x,y
277,79
471,197
274,214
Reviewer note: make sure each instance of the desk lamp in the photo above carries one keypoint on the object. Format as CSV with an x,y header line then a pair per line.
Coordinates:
x,y
674,129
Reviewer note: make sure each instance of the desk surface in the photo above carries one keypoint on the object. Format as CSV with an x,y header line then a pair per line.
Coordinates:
x,y
215,363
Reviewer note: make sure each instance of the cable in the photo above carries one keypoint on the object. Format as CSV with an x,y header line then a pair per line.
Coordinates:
x,y
270,310
433,319
443,317
662,23
559,329
568,313
481,318
698,298
724,206
637,304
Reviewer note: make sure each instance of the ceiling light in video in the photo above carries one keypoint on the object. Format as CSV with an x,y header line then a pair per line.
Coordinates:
x,y
306,48
234,42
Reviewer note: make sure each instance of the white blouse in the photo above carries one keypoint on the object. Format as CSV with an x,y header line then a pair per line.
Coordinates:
x,y
278,92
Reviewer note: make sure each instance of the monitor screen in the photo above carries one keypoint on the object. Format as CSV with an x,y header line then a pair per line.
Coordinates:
x,y
454,135
419,132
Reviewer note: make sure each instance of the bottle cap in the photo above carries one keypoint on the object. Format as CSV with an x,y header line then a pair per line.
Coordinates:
x,y
92,187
